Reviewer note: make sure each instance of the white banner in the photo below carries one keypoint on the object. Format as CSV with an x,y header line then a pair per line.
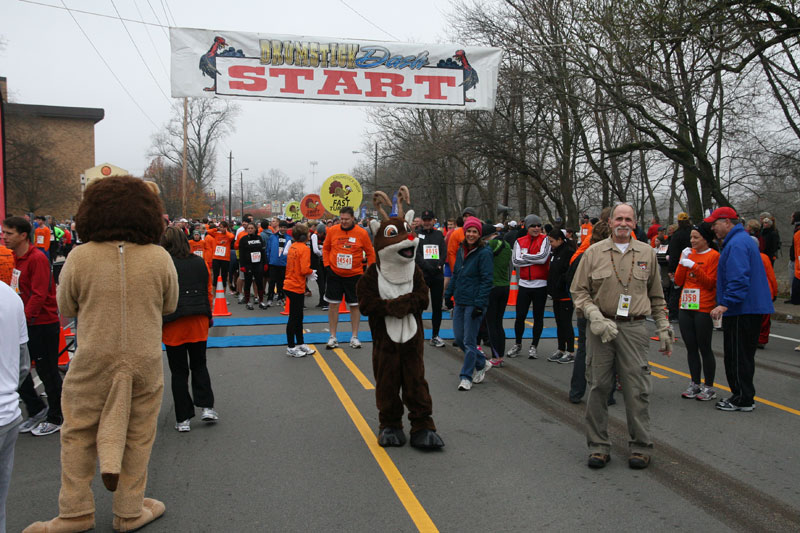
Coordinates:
x,y
231,64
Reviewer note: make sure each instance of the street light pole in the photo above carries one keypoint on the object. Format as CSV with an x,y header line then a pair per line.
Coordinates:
x,y
241,190
230,194
376,168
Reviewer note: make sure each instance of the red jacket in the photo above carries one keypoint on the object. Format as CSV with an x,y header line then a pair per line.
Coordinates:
x,y
37,288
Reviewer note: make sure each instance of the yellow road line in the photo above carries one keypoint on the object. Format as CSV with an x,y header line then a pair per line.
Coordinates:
x,y
660,376
723,387
401,488
365,382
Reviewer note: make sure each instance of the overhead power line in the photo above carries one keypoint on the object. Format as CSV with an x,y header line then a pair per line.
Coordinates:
x,y
65,8
351,8
150,37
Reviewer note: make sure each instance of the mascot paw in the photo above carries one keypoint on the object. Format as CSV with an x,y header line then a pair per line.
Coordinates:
x,y
110,481
63,525
151,510
426,439
391,437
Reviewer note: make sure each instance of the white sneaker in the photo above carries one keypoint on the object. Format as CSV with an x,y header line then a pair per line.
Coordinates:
x,y
268,303
183,426
32,422
306,349
465,384
355,343
209,415
45,428
332,343
514,351
295,352
437,341
532,354
480,374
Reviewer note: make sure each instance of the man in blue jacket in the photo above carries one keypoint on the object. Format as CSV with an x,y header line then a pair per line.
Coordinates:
x,y
277,252
743,297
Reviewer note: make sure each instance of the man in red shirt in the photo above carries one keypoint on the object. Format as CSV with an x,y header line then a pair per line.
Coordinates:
x,y
33,281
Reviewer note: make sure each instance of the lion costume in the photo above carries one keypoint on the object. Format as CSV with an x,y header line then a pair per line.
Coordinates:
x,y
393,294
119,284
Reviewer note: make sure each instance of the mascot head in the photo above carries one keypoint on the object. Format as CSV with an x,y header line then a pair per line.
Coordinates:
x,y
120,208
395,243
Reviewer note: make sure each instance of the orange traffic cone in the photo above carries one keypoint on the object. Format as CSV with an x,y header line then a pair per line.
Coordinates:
x,y
512,294
68,331
343,307
285,308
220,305
63,352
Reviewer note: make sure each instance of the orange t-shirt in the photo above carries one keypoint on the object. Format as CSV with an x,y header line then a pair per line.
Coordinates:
x,y
198,248
702,277
773,283
222,244
585,242
343,250
193,328
6,264
586,232
298,266
41,237
454,240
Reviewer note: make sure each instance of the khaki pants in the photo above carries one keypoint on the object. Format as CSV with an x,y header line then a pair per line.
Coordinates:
x,y
629,352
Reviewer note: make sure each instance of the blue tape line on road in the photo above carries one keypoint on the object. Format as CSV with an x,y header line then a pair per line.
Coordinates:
x,y
323,319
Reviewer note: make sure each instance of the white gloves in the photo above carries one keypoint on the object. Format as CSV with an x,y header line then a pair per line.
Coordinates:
x,y
685,252
312,276
601,326
666,336
285,250
688,263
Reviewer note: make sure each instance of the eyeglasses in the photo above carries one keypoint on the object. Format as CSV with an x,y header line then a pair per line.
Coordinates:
x,y
535,225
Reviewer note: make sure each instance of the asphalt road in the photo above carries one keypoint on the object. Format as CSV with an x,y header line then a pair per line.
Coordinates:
x,y
295,450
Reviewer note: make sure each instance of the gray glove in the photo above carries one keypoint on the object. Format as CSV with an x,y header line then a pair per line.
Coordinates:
x,y
601,326
666,335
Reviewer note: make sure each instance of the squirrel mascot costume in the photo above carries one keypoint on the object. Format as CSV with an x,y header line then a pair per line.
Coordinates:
x,y
118,283
393,294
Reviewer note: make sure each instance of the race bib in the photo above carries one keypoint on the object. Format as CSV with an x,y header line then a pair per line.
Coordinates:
x,y
662,249
219,251
430,251
52,237
255,257
40,239
15,280
198,253
584,232
624,305
344,261
690,299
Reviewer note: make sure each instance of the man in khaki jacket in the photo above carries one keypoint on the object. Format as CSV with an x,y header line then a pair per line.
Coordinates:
x,y
617,285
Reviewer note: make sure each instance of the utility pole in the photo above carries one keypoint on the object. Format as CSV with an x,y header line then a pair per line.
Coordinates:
x,y
376,168
230,182
241,185
183,173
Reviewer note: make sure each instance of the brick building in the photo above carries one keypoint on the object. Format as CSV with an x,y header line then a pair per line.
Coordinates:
x,y
68,135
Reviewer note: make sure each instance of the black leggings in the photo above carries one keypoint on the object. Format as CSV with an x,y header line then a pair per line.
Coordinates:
x,y
276,276
436,287
43,347
321,278
526,296
218,266
562,309
696,328
254,272
294,327
179,367
498,298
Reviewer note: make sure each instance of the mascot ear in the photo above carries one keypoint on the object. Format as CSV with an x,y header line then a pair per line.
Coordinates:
x,y
374,225
410,216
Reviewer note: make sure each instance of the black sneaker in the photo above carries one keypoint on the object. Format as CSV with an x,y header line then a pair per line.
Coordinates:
x,y
727,405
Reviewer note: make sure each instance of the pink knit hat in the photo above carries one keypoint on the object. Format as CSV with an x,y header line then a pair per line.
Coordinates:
x,y
473,222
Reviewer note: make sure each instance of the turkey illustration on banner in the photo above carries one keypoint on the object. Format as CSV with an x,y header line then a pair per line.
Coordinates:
x,y
341,190
311,207
293,210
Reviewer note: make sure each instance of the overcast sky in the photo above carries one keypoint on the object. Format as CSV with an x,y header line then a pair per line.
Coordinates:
x,y
48,60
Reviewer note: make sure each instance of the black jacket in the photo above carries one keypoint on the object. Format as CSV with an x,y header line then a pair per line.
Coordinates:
x,y
192,288
557,286
431,268
682,238
772,242
248,245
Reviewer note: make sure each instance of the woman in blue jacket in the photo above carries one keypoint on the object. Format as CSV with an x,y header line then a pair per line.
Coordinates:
x,y
277,252
470,287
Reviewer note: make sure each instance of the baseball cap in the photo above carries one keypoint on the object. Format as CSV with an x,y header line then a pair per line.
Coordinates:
x,y
512,223
498,226
183,220
427,215
683,216
721,212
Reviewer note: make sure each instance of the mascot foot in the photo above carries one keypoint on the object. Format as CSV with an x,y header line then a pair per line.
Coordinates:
x,y
110,481
426,439
63,525
391,437
151,510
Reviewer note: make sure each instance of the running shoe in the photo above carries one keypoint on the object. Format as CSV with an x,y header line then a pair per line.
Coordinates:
x,y
295,352
45,428
184,426
325,307
209,415
332,343
496,362
306,349
706,393
465,385
727,405
32,422
262,305
555,356
437,341
240,301
692,391
532,354
354,342
480,374
269,303
514,351
568,358
249,306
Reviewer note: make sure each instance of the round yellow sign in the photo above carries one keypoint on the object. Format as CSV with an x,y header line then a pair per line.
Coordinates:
x,y
293,211
341,190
